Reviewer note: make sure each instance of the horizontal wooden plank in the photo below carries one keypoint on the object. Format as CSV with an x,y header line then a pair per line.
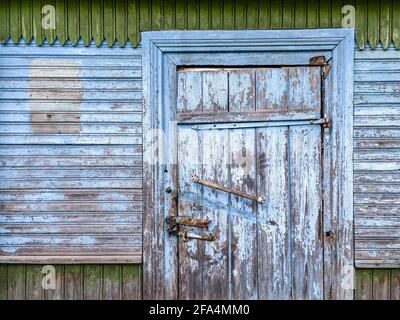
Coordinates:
x,y
71,195
57,72
59,206
375,121
68,150
70,117
377,222
390,199
377,87
54,218
379,133
375,98
221,117
375,209
83,59
377,177
384,75
377,165
74,250
94,228
85,161
391,245
63,139
376,154
388,64
368,110
377,188
64,182
60,105
377,143
69,173
376,232
111,259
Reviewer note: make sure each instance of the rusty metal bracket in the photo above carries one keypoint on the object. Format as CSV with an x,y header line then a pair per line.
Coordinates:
x,y
321,61
185,235
324,122
187,221
175,223
259,199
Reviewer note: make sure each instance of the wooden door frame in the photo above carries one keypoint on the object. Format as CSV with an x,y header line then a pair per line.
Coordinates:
x,y
163,53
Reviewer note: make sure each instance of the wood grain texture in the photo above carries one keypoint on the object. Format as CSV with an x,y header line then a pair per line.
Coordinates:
x,y
376,162
60,118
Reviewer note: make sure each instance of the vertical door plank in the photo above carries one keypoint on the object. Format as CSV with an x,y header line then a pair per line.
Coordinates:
x,y
241,90
73,282
364,284
58,292
304,89
34,277
112,282
16,282
272,89
381,284
243,215
97,22
215,204
190,252
189,92
274,266
131,282
85,21
61,21
92,282
306,210
215,90
26,20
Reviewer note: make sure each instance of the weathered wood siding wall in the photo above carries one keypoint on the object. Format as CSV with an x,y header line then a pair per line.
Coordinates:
x,y
70,150
377,158
73,282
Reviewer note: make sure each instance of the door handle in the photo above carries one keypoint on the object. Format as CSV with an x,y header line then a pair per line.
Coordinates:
x,y
259,199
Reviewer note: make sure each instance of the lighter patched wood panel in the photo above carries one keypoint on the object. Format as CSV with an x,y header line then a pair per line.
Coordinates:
x,y
71,157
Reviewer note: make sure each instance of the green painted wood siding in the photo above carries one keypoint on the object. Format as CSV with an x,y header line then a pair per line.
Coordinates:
x,y
73,282
97,282
377,21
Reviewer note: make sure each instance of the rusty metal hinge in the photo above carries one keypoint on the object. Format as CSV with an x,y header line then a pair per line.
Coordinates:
x,y
175,223
324,122
321,61
259,199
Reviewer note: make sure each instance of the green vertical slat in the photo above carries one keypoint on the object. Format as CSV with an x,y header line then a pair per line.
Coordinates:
x,y
3,282
204,14
61,21
145,15
337,15
4,20
37,22
16,282
15,19
287,14
109,22
49,33
381,284
180,11
300,14
34,277
396,24
264,15
252,14
216,15
361,23
373,23
240,14
385,22
133,23
112,284
192,14
363,284
97,22
131,282
26,20
92,282
73,282
395,284
169,15
73,21
325,17
121,22
312,14
227,14
156,14
276,14
85,21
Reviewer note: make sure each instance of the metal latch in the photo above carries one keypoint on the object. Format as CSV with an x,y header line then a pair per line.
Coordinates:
x,y
175,223
324,122
321,61
259,199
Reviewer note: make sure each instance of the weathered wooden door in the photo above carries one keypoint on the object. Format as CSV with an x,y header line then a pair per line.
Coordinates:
x,y
249,155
